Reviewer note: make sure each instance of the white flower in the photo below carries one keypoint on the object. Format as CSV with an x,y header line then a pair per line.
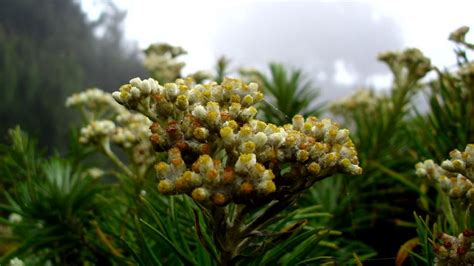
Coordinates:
x,y
135,82
15,218
171,90
253,87
205,163
245,162
95,172
298,122
117,97
96,130
342,135
135,92
248,113
260,139
146,87
200,112
277,139
16,262
93,99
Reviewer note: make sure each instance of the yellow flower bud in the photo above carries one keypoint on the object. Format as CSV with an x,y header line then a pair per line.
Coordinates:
x,y
247,100
266,187
258,97
233,124
245,162
219,199
162,168
201,133
200,194
205,163
298,121
181,184
166,186
182,102
314,168
246,187
268,175
235,98
213,117
226,132
247,147
212,176
245,132
302,155
191,178
229,175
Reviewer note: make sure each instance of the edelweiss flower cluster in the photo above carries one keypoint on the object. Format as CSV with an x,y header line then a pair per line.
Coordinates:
x,y
361,98
16,262
92,98
161,61
218,153
97,131
135,128
459,35
109,121
410,63
94,101
451,250
455,176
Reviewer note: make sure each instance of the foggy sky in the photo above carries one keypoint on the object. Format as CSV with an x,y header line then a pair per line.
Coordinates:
x,y
314,36
320,37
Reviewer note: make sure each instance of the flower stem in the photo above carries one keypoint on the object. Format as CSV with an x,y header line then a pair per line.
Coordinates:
x,y
107,151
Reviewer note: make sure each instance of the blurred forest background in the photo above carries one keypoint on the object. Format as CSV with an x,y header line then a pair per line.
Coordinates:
x,y
48,50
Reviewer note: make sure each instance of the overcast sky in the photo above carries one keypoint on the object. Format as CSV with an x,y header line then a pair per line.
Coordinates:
x,y
336,43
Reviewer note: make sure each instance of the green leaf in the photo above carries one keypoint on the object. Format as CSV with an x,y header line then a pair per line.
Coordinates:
x,y
185,258
151,259
275,254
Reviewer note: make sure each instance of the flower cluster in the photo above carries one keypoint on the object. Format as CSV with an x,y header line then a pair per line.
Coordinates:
x,y
16,262
93,100
451,250
135,128
109,121
217,152
97,131
15,218
455,176
466,67
410,64
160,61
459,35
361,98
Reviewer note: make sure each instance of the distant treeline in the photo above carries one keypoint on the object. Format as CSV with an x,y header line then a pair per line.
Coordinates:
x,y
48,50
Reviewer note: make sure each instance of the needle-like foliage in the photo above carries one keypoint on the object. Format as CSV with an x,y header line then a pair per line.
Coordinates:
x,y
289,93
56,206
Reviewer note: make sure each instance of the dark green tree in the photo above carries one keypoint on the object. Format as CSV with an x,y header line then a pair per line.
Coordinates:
x,y
48,49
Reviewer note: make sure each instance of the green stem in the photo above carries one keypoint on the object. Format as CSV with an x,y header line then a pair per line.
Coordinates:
x,y
467,217
107,151
448,211
144,108
232,238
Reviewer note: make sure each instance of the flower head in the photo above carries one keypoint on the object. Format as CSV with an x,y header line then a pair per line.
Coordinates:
x,y
219,153
459,35
455,175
